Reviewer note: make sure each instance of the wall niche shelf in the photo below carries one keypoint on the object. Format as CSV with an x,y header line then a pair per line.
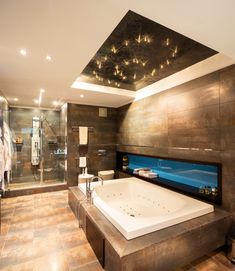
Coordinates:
x,y
202,180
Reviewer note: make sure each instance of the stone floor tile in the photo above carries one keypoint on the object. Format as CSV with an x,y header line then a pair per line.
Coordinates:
x,y
74,239
40,232
51,262
93,266
80,255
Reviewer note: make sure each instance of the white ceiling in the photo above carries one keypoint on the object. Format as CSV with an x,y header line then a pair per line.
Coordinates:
x,y
72,31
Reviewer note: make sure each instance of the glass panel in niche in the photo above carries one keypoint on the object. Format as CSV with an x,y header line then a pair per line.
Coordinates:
x,y
194,177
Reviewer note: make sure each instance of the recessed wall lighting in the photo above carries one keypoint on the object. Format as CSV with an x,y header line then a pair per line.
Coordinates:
x,y
36,101
48,58
23,52
55,103
42,90
81,96
16,99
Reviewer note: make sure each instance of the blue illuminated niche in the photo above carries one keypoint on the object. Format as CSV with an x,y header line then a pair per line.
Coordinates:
x,y
196,178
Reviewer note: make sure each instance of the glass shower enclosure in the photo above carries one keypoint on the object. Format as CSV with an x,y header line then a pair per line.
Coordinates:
x,y
39,141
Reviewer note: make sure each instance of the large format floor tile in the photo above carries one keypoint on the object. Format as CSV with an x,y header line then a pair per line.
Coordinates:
x,y
40,233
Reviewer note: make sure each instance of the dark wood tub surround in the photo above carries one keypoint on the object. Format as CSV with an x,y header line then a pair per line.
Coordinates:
x,y
161,250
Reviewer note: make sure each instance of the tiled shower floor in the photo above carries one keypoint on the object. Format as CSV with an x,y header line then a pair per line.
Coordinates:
x,y
40,232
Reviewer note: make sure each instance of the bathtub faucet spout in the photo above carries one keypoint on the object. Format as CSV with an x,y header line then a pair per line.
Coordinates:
x,y
88,187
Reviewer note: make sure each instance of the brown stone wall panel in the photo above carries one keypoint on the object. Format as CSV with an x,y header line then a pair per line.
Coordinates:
x,y
144,150
155,105
195,138
102,135
180,251
96,164
183,249
112,260
137,261
228,138
197,83
195,98
227,114
194,154
228,161
155,124
194,119
154,139
227,87
144,139
228,193
134,125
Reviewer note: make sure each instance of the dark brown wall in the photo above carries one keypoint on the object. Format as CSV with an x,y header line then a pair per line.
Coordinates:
x,y
102,136
20,124
195,120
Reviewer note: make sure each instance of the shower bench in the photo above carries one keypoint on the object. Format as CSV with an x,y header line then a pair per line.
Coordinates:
x,y
160,250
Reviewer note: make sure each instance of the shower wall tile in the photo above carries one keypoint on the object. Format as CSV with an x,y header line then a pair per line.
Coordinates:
x,y
194,121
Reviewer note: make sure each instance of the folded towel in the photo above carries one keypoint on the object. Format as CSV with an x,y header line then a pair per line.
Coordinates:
x,y
83,135
82,161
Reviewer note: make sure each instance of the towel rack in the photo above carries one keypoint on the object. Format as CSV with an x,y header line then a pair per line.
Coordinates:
x,y
76,129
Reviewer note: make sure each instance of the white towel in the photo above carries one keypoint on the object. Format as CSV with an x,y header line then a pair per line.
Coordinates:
x,y
82,161
83,135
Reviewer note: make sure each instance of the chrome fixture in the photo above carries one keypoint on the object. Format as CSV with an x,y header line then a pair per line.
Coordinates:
x,y
88,187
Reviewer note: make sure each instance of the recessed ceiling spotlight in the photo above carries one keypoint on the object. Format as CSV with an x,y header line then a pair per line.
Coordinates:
x,y
42,90
23,52
81,96
48,58
36,101
16,99
55,103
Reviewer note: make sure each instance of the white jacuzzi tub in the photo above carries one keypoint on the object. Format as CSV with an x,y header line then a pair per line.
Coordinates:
x,y
136,207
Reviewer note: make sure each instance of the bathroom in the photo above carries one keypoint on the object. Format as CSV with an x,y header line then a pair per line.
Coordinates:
x,y
171,132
